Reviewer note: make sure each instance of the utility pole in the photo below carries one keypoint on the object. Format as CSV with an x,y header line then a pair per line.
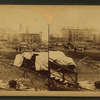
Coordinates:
x,y
20,28
48,57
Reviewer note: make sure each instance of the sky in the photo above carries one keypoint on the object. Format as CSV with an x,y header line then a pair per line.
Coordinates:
x,y
85,18
37,18
19,20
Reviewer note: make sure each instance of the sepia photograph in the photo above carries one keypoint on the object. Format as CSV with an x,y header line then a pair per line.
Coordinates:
x,y
74,48
23,50
49,50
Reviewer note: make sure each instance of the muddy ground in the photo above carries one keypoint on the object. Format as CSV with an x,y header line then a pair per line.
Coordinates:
x,y
39,80
87,63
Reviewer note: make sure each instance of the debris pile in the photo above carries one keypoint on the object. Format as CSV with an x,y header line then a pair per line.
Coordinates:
x,y
13,85
87,85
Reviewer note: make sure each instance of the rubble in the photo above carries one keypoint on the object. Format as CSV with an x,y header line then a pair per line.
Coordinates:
x,y
87,85
4,85
11,86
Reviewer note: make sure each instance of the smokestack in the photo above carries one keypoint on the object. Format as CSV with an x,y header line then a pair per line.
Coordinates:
x,y
20,28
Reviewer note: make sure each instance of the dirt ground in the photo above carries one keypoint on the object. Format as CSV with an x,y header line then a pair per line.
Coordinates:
x,y
87,64
8,71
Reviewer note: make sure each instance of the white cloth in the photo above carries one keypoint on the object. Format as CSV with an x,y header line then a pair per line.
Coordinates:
x,y
28,55
42,61
18,60
56,54
61,58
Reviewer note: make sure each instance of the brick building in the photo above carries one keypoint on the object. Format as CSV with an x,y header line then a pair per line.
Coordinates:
x,y
76,34
31,38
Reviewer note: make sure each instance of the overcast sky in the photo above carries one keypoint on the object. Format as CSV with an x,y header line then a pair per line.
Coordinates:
x,y
12,19
77,18
37,18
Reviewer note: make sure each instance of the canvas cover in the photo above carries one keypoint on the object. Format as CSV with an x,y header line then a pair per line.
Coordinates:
x,y
18,60
41,62
60,58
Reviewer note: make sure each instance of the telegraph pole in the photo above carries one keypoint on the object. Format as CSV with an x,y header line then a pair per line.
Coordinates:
x,y
48,57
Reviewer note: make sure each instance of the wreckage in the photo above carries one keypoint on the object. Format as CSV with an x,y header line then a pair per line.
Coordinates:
x,y
62,68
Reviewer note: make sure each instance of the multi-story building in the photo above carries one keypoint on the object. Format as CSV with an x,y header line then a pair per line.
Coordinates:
x,y
76,34
31,38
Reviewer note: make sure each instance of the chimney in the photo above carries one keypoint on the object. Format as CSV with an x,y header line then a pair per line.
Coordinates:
x,y
27,30
20,28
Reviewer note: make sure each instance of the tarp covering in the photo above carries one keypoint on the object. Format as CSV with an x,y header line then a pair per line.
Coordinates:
x,y
18,60
28,55
61,58
41,62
